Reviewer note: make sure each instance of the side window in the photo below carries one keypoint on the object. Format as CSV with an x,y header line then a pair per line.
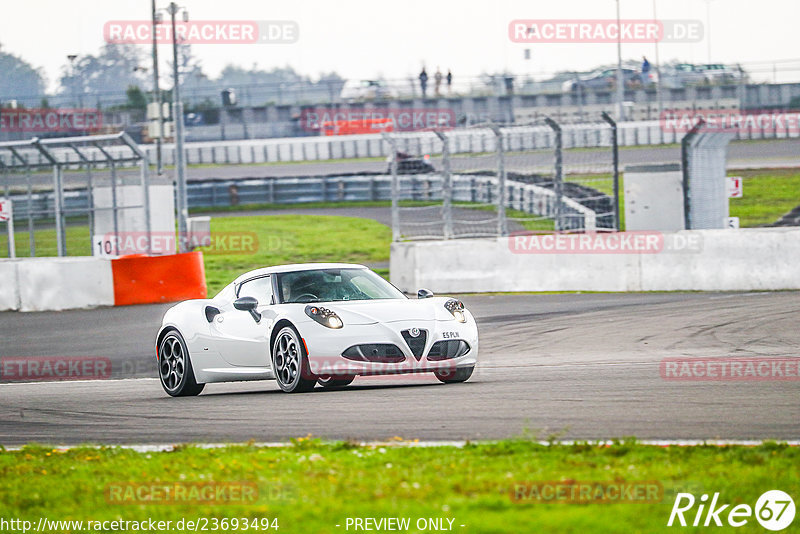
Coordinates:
x,y
259,288
366,286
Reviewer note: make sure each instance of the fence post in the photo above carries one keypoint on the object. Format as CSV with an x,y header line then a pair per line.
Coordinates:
x,y
502,224
12,246
31,228
615,156
559,171
144,169
58,198
447,187
685,145
395,189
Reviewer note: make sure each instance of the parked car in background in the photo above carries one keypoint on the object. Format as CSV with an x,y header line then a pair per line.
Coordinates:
x,y
679,75
408,164
603,80
366,90
716,73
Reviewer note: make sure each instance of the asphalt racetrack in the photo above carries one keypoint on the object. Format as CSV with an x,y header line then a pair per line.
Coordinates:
x,y
582,366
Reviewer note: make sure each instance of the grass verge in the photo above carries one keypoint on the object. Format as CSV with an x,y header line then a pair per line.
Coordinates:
x,y
313,486
282,239
767,196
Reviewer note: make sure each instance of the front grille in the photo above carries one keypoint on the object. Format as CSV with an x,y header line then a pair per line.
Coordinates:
x,y
375,352
447,350
416,344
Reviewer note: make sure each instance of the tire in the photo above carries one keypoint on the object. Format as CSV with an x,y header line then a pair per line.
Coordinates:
x,y
452,376
330,382
290,362
175,367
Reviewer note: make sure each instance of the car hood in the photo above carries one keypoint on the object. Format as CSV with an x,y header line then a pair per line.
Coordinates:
x,y
390,310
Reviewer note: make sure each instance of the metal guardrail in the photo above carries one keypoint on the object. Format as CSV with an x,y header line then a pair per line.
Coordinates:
x,y
462,141
528,198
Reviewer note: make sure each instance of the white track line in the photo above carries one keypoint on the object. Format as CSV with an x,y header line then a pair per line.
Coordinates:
x,y
458,443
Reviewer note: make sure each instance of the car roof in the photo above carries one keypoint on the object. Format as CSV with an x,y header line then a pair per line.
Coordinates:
x,y
295,267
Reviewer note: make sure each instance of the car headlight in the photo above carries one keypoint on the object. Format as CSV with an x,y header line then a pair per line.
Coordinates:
x,y
456,308
324,316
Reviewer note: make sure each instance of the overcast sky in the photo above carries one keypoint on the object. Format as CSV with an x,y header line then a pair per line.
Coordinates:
x,y
367,38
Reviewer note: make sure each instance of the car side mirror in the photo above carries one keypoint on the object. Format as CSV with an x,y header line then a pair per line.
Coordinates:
x,y
248,304
424,293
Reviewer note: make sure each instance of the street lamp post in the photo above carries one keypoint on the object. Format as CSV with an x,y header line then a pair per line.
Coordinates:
x,y
177,112
659,95
620,80
157,91
76,96
708,31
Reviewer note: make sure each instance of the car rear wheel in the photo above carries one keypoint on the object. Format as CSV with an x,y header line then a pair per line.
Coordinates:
x,y
335,382
175,367
290,361
451,376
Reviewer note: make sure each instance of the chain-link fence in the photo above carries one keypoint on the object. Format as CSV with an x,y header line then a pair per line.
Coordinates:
x,y
62,190
417,163
590,169
539,177
703,154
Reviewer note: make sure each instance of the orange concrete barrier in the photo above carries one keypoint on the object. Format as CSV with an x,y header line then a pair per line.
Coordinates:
x,y
140,279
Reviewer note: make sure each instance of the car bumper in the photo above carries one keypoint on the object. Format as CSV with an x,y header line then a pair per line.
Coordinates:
x,y
325,348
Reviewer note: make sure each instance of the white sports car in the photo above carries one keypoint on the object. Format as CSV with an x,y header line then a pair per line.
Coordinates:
x,y
312,323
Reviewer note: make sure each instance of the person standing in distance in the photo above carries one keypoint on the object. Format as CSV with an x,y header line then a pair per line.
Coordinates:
x,y
423,81
645,71
438,80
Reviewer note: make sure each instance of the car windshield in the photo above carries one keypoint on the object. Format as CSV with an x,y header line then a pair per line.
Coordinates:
x,y
327,285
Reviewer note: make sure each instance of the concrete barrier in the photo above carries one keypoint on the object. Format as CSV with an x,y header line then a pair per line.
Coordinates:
x,y
64,283
9,288
694,260
53,284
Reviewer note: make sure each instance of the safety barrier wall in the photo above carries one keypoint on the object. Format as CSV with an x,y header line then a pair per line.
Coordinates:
x,y
462,141
56,283
694,260
51,284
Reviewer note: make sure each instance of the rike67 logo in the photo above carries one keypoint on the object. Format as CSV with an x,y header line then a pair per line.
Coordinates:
x,y
774,510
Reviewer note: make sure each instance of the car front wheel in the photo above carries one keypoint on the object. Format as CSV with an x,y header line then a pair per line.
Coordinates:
x,y
175,367
290,362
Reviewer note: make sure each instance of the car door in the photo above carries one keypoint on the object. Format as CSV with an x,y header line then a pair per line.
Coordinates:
x,y
239,338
